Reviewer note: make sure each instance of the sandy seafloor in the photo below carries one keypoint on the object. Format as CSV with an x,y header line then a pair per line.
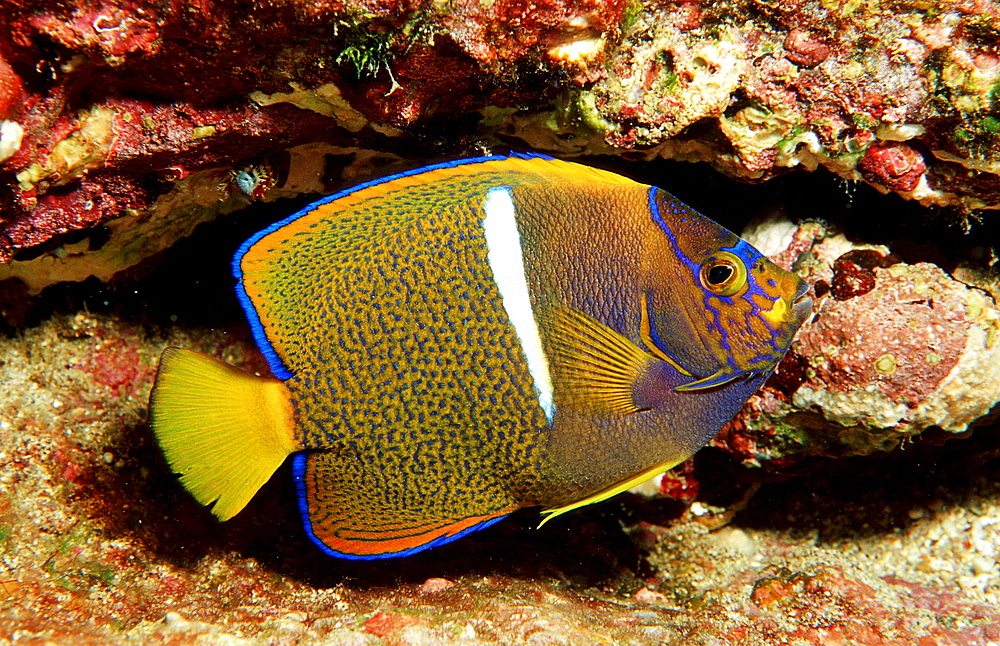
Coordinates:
x,y
99,545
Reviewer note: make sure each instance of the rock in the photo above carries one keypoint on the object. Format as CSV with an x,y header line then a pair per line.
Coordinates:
x,y
892,349
800,84
435,584
917,349
106,108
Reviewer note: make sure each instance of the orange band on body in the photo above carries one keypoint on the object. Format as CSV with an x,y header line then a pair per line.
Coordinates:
x,y
371,542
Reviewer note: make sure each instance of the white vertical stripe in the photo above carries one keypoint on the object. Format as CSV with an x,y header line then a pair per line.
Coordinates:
x,y
503,244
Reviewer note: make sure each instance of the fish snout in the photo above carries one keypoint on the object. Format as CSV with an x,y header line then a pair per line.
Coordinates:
x,y
802,302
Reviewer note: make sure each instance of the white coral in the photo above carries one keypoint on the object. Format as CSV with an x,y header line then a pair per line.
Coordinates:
x,y
11,133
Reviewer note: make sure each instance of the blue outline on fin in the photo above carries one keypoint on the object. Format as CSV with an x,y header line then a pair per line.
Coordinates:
x,y
299,477
277,366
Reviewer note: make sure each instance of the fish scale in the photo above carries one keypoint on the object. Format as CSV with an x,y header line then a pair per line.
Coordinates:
x,y
429,460
462,340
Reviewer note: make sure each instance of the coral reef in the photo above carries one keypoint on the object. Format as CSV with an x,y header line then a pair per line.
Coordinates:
x,y
125,125
894,94
104,106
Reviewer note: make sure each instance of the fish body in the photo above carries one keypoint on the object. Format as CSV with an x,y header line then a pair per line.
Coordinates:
x,y
456,342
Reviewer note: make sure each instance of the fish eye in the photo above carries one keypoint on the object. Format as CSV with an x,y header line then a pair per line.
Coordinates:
x,y
723,274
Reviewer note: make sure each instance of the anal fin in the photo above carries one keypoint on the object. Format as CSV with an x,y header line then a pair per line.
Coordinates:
x,y
345,521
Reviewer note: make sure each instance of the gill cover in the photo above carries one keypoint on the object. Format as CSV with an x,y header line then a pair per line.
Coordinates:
x,y
729,312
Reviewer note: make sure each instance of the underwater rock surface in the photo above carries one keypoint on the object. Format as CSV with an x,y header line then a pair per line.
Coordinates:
x,y
124,125
107,108
100,545
892,349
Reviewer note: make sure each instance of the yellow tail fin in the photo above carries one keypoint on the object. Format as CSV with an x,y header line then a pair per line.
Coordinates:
x,y
223,430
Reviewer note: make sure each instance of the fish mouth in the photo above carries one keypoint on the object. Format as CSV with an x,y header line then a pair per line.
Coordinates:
x,y
802,303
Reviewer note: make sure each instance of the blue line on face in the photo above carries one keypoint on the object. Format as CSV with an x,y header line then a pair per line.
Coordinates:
x,y
654,210
750,257
694,268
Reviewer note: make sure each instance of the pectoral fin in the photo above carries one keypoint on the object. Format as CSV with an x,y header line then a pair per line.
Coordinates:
x,y
595,366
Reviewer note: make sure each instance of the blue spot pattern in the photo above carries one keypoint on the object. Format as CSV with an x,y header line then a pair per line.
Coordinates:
x,y
278,367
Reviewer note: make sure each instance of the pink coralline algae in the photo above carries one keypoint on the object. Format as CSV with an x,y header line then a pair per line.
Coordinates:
x,y
511,31
105,29
11,91
852,275
831,609
82,170
107,107
894,165
802,48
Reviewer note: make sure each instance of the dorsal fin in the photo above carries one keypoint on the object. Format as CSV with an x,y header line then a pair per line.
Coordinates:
x,y
272,265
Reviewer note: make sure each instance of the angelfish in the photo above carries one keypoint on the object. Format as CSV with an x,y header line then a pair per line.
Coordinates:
x,y
456,342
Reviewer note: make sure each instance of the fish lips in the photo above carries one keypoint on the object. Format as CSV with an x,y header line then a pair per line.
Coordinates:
x,y
802,304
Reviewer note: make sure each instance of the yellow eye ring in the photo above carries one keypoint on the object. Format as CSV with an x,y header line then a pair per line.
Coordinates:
x,y
723,273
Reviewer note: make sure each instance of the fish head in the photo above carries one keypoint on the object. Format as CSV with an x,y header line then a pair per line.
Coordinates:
x,y
716,307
